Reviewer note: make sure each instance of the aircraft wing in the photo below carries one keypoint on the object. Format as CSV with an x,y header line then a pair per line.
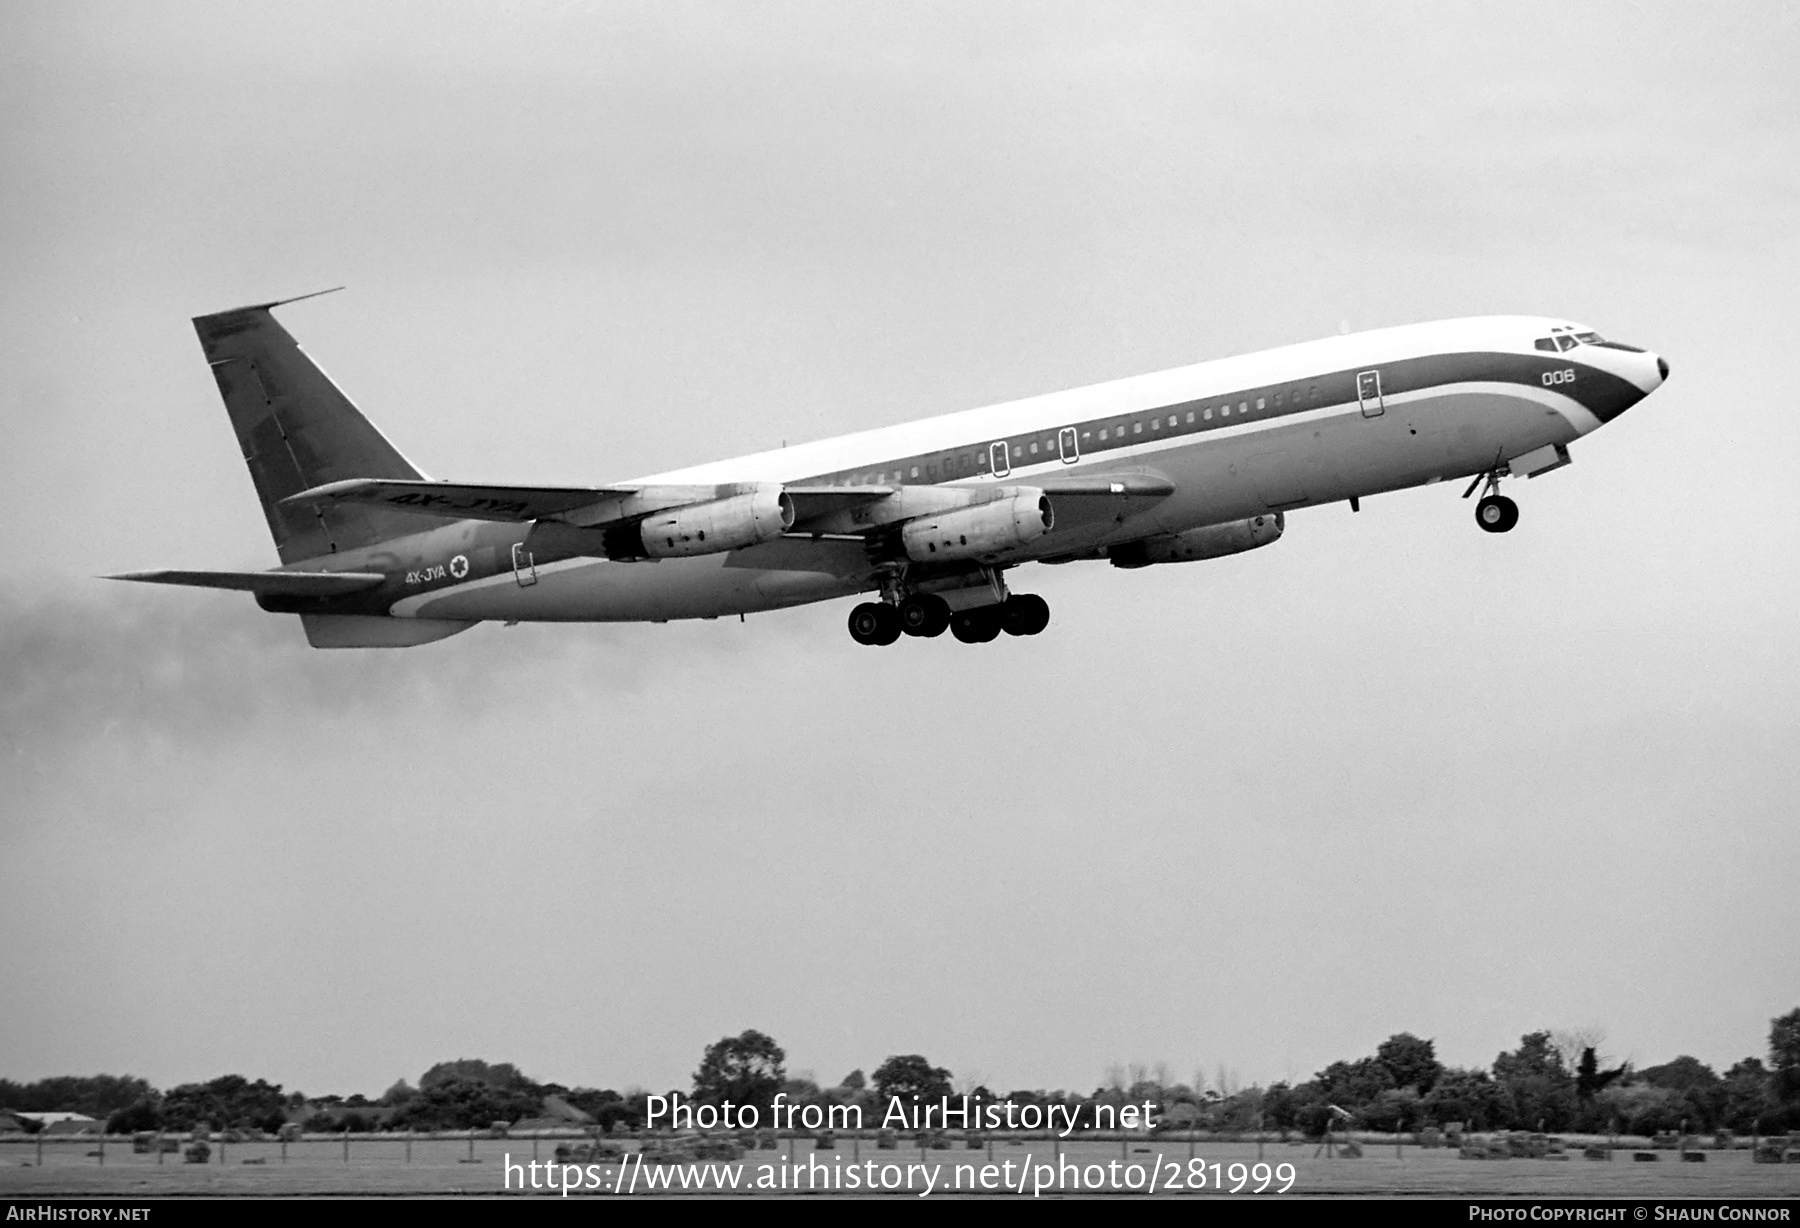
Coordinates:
x,y
585,506
265,583
593,507
475,502
813,502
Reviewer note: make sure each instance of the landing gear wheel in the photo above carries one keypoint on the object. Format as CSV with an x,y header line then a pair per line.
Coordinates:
x,y
1496,513
1024,614
924,614
874,623
976,626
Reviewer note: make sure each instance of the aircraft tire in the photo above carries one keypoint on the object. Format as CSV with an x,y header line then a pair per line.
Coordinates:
x,y
874,623
924,615
1025,614
977,626
1496,513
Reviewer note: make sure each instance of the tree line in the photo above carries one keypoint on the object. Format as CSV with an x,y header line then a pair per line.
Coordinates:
x,y
1553,1080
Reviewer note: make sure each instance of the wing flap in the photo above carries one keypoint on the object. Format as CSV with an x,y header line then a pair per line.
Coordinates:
x,y
265,583
1128,485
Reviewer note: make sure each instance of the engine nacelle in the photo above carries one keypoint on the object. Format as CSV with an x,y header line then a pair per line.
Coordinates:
x,y
1212,542
978,532
721,524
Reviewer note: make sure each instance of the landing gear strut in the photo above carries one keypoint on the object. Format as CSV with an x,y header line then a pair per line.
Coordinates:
x,y
1495,513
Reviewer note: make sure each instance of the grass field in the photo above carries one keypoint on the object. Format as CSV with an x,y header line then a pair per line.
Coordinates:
x,y
379,1166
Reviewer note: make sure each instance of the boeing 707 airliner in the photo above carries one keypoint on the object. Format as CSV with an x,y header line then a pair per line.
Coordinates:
x,y
930,516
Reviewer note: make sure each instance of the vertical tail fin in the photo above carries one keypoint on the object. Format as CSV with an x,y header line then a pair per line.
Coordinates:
x,y
297,431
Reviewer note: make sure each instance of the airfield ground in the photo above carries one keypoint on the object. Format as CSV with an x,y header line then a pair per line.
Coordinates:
x,y
438,1167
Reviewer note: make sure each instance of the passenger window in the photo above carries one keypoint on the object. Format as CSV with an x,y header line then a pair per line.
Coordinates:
x,y
1018,451
1225,411
1103,432
915,471
1034,447
1312,392
1172,419
1278,400
1243,407
1261,403
1156,424
1207,413
1137,428
1190,417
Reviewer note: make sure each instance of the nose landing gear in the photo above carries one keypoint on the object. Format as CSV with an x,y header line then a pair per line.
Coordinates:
x,y
1495,513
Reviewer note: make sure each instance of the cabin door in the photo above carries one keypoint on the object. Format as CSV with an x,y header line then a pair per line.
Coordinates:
x,y
1368,391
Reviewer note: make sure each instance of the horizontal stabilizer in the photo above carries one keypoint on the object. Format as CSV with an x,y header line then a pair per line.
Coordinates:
x,y
513,504
265,583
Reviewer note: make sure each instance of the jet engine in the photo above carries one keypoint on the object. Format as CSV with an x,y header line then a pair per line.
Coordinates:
x,y
980,531
717,525
1214,541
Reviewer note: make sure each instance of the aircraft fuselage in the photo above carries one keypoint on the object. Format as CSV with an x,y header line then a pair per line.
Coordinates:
x,y
1320,422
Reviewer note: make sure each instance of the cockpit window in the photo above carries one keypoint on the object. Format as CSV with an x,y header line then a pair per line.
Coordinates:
x,y
1563,339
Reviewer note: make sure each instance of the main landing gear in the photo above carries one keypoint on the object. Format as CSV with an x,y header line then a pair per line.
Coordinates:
x,y
874,623
927,615
1495,513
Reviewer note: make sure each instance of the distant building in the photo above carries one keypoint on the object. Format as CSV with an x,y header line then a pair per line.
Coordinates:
x,y
65,1123
555,1106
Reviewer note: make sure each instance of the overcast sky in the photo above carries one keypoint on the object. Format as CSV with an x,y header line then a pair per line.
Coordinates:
x,y
1392,774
